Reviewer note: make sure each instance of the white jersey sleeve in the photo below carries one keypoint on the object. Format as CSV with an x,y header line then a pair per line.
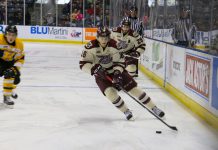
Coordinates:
x,y
87,59
139,43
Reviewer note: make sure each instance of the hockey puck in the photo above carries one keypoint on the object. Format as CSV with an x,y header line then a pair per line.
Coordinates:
x,y
158,132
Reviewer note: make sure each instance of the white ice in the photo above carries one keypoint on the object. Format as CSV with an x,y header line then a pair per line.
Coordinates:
x,y
60,108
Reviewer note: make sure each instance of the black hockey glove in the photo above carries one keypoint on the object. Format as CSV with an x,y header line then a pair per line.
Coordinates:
x,y
117,79
134,54
98,70
11,72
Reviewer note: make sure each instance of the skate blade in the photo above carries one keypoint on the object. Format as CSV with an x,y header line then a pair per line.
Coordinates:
x,y
9,106
132,119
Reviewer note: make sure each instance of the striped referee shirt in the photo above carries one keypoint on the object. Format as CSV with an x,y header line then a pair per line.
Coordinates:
x,y
136,25
183,30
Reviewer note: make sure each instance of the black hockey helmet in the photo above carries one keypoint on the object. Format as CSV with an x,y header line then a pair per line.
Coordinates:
x,y
126,21
103,31
134,8
11,29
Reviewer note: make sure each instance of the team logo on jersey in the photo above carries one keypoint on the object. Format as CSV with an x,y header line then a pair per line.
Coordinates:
x,y
105,59
122,44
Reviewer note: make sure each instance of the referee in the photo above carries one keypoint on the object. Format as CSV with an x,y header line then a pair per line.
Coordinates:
x,y
184,33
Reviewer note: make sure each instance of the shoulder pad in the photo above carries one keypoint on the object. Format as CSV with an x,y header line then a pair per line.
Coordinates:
x,y
112,43
19,44
91,44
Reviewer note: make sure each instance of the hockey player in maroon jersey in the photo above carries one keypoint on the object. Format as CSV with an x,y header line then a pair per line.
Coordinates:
x,y
102,58
132,44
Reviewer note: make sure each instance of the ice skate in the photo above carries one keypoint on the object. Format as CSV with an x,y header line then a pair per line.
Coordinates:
x,y
8,102
129,115
14,95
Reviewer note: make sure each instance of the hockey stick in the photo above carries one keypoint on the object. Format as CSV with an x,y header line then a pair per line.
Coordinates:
x,y
171,127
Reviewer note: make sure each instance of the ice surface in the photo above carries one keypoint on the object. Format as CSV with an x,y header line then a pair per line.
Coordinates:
x,y
61,108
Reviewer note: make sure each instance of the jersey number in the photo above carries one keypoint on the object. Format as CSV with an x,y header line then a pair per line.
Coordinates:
x,y
84,54
139,40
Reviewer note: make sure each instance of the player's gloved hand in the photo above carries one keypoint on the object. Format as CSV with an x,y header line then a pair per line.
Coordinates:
x,y
117,78
134,54
11,72
132,57
97,69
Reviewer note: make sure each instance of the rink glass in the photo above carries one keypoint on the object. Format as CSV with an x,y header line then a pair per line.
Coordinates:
x,y
157,16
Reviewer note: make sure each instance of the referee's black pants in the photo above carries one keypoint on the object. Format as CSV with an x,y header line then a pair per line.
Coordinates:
x,y
183,43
